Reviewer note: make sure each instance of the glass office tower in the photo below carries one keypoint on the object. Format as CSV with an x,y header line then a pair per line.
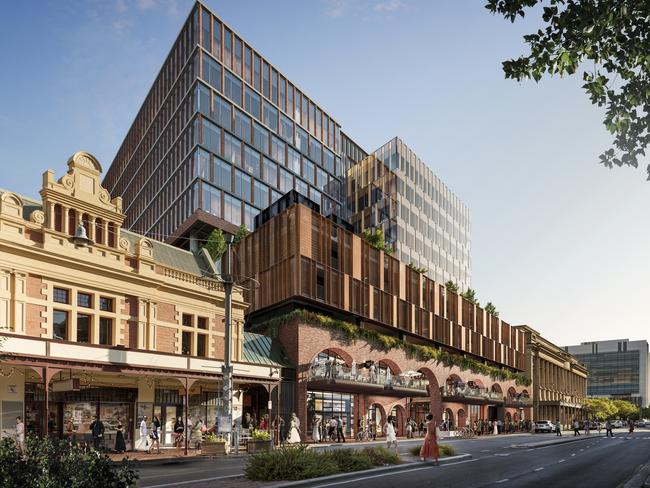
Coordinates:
x,y
221,135
428,226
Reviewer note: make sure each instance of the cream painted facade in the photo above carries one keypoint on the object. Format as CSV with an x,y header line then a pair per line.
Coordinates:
x,y
120,326
559,380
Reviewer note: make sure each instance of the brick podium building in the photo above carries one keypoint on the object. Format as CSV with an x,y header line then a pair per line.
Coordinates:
x,y
305,261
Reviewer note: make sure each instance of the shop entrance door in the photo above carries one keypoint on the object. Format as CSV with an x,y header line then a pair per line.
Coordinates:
x,y
168,425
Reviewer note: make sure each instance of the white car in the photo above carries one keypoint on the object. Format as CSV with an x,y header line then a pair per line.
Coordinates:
x,y
544,426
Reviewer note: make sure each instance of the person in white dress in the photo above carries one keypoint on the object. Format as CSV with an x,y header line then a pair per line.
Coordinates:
x,y
294,430
144,435
315,429
389,376
389,430
353,370
373,374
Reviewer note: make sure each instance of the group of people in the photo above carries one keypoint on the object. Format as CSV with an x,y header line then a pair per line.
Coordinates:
x,y
332,429
586,426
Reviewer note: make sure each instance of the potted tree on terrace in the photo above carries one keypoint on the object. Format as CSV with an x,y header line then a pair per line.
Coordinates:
x,y
260,441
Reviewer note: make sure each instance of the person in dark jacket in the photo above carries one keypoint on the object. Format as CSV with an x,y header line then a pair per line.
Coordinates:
x,y
97,432
120,445
179,434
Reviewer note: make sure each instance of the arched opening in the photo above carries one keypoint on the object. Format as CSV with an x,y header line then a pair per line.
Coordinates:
x,y
388,371
85,220
461,418
435,397
72,221
448,421
476,384
375,418
112,234
496,388
512,393
99,231
453,385
524,393
331,364
58,218
398,413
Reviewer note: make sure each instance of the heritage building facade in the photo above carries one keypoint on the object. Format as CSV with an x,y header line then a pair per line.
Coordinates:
x,y
303,260
116,325
559,380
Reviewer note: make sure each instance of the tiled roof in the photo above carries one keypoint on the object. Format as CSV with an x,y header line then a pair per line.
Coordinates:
x,y
169,255
261,349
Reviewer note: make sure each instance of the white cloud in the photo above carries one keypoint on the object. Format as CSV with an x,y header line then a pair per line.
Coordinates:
x,y
146,4
389,6
335,8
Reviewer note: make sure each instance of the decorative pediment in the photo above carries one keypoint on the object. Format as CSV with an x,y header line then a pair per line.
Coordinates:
x,y
82,183
11,205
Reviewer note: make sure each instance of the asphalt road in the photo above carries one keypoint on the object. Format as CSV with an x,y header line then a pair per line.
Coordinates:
x,y
594,462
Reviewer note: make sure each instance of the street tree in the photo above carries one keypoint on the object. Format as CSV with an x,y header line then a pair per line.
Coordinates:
x,y
625,409
215,244
600,408
609,41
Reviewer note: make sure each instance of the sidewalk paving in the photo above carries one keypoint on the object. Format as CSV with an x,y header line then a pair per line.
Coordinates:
x,y
557,440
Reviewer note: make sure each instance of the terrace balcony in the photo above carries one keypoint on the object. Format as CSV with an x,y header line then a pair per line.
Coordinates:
x,y
470,394
356,380
518,401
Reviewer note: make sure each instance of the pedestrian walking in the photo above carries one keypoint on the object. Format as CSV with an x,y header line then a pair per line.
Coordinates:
x,y
340,436
558,428
409,429
315,429
608,429
576,428
70,430
429,447
120,445
599,426
294,430
389,431
97,432
331,430
587,427
144,435
630,426
495,426
20,435
179,434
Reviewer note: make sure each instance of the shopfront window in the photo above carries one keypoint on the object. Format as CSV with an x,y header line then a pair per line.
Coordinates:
x,y
328,405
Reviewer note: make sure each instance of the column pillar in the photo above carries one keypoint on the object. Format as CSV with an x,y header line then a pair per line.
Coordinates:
x,y
91,228
50,221
65,218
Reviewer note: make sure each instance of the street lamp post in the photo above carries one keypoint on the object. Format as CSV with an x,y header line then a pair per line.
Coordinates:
x,y
227,361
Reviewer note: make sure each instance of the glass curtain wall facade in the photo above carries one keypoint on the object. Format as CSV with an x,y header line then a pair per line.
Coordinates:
x,y
428,226
222,131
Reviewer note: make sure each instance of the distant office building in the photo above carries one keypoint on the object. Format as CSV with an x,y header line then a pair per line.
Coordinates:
x,y
221,135
428,226
559,380
618,369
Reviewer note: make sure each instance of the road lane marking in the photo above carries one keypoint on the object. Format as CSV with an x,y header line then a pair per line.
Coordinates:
x,y
573,454
180,483
538,469
561,460
503,480
502,454
376,475
485,450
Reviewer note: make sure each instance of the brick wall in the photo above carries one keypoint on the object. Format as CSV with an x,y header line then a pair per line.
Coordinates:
x,y
165,339
34,321
167,313
35,288
130,333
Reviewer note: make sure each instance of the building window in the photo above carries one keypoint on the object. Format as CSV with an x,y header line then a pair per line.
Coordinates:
x,y
222,112
261,138
286,128
320,282
211,200
60,325
222,174
270,172
286,181
253,103
271,116
232,210
84,300
186,344
252,161
201,343
257,71
202,323
232,88
60,295
83,328
293,160
277,150
242,185
249,216
106,331
105,304
187,320
212,72
261,195
232,149
302,140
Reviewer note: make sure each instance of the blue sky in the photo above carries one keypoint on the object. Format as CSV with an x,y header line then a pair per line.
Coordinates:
x,y
558,242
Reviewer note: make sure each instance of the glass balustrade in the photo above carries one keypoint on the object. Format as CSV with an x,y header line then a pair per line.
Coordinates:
x,y
320,371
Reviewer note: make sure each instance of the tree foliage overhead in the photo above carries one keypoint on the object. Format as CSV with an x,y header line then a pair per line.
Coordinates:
x,y
610,41
216,244
604,408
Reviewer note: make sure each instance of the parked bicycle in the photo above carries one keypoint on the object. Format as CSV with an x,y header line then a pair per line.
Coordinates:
x,y
466,433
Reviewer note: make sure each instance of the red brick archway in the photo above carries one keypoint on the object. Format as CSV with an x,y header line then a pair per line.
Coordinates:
x,y
435,399
344,355
394,367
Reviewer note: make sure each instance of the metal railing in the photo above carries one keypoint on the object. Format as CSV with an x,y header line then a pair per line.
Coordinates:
x,y
470,392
